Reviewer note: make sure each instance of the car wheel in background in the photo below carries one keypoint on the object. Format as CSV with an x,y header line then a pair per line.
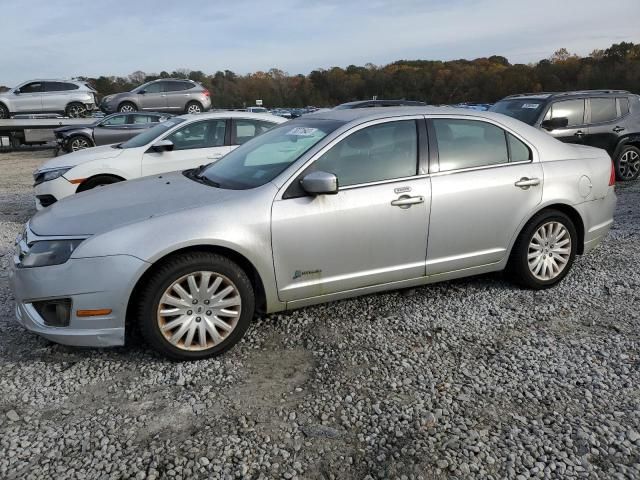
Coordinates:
x,y
4,112
75,110
79,142
627,164
127,107
193,107
544,251
98,181
195,305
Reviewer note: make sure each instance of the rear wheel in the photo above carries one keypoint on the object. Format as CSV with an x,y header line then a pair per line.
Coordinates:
x,y
4,112
97,181
627,163
76,110
79,142
196,305
544,251
193,107
127,107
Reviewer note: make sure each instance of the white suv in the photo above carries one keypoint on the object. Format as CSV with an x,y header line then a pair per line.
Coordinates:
x,y
69,97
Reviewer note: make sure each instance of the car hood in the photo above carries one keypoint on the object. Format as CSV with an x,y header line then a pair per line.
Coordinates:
x,y
69,128
105,208
82,156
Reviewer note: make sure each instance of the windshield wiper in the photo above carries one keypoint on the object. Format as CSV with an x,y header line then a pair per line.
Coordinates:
x,y
196,174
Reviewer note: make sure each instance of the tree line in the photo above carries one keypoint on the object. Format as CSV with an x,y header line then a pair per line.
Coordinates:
x,y
483,80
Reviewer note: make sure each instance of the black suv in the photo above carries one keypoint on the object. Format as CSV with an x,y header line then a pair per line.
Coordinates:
x,y
607,119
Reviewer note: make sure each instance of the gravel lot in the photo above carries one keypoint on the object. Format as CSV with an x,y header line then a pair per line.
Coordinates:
x,y
471,378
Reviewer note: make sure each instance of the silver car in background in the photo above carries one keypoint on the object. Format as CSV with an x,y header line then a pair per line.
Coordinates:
x,y
69,97
325,207
171,95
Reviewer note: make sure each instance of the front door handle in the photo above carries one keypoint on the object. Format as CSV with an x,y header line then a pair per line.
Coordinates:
x,y
618,129
579,133
405,201
524,183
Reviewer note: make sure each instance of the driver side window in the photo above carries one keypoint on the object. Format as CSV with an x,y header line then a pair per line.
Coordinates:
x,y
372,154
156,87
203,134
115,120
33,87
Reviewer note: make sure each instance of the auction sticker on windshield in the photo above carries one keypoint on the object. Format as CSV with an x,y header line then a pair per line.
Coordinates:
x,y
302,131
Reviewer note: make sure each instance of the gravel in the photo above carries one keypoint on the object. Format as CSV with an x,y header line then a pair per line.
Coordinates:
x,y
471,379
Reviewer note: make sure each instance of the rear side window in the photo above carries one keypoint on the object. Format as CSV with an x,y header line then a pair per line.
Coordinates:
x,y
176,86
380,152
60,86
603,109
573,110
469,144
623,105
518,151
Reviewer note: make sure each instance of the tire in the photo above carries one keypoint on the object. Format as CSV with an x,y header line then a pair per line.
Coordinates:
x,y
627,164
188,343
127,107
193,107
75,110
79,142
97,181
522,271
4,112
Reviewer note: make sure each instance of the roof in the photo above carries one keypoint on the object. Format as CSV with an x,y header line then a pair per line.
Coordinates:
x,y
548,95
233,114
375,113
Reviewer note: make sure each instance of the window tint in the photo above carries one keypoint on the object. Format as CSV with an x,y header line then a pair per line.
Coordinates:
x,y
469,143
247,129
207,133
138,119
59,86
573,110
33,87
623,105
114,121
519,152
176,86
155,87
603,109
379,152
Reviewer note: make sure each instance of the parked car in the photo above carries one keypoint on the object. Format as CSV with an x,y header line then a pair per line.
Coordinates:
x,y
176,144
256,110
379,103
325,207
114,128
165,95
68,97
607,119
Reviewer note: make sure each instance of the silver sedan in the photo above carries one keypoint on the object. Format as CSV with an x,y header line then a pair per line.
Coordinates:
x,y
328,206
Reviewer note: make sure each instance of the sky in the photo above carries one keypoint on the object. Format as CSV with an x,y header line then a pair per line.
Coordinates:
x,y
68,38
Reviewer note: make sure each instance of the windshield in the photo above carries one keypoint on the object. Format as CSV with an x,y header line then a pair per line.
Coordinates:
x,y
150,135
263,158
526,110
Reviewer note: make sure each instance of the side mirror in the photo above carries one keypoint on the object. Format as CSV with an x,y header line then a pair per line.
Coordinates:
x,y
142,92
320,183
162,146
555,123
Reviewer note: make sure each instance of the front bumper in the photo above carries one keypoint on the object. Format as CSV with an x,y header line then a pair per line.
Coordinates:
x,y
58,188
90,283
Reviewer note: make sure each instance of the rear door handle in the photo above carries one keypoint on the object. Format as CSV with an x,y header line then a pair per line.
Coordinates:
x,y
618,129
524,183
405,201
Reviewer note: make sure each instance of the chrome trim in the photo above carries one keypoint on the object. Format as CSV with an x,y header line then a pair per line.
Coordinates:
x,y
484,167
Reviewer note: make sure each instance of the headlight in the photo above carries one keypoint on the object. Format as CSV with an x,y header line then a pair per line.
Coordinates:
x,y
49,252
46,175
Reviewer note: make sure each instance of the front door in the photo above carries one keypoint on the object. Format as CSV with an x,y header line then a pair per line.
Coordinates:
x,y
194,144
573,110
29,98
488,181
373,231
154,97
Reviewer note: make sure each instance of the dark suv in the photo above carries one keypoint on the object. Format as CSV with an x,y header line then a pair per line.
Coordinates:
x,y
607,119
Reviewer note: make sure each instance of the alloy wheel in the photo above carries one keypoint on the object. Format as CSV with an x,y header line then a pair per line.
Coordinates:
x,y
76,110
193,108
199,310
629,165
549,251
79,144
127,108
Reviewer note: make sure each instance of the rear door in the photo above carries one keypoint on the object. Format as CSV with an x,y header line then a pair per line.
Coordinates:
x,y
574,111
197,143
605,122
154,97
485,181
178,94
29,98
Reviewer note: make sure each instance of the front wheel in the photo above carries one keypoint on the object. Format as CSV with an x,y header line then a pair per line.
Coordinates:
x,y
627,164
544,250
4,112
196,305
79,142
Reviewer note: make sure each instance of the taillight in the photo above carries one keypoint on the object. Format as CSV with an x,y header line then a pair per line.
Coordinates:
x,y
206,93
612,176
